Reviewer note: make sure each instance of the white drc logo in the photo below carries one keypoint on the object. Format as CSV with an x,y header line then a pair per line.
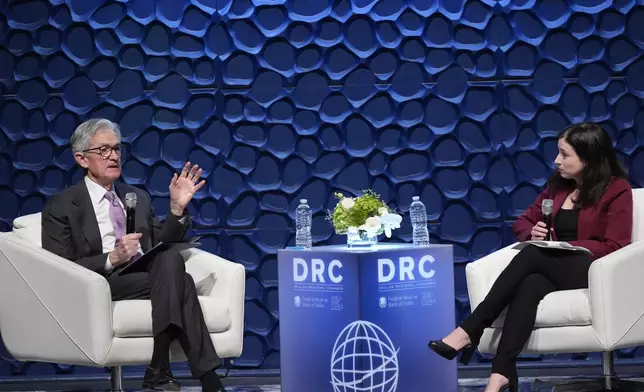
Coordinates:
x,y
318,271
377,354
405,266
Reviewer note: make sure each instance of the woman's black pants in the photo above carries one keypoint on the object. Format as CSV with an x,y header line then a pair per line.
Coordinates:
x,y
531,275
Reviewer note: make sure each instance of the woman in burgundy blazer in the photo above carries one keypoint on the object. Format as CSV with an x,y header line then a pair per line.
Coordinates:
x,y
592,208
602,228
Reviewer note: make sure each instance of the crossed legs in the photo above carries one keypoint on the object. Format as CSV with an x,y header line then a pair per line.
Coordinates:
x,y
176,314
531,275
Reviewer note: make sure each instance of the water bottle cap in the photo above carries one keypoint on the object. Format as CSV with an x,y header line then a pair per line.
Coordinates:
x,y
303,201
415,198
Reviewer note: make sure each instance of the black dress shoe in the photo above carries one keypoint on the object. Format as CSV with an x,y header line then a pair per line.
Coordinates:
x,y
160,380
448,352
210,382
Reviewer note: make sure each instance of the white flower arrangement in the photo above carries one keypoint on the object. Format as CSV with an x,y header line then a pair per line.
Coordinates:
x,y
366,214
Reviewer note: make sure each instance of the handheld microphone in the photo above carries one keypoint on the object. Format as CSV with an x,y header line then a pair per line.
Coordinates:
x,y
546,211
130,208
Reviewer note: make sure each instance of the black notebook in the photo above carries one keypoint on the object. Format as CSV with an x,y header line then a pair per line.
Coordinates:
x,y
140,264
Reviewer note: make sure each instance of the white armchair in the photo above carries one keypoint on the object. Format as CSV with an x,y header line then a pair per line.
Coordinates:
x,y
603,318
53,310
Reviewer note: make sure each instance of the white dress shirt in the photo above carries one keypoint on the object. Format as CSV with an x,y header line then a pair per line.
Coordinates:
x,y
102,210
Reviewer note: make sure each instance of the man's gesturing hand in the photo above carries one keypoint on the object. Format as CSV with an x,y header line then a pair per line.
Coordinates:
x,y
183,187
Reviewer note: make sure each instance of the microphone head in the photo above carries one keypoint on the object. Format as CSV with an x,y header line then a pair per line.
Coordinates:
x,y
130,200
546,206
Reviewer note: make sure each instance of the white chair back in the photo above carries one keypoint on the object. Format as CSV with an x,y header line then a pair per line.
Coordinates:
x,y
638,214
28,227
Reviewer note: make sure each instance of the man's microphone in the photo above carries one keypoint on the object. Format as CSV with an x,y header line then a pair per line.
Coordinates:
x,y
130,209
546,211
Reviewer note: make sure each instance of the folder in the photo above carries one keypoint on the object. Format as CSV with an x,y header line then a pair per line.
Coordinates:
x,y
553,245
140,264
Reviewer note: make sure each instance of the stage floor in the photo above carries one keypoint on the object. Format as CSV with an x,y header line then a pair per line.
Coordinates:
x,y
527,384
468,385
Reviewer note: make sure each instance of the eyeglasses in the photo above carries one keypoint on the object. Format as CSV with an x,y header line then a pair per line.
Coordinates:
x,y
105,152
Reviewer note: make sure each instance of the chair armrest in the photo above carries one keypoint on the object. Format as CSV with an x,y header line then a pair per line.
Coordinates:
x,y
222,279
51,309
482,273
617,297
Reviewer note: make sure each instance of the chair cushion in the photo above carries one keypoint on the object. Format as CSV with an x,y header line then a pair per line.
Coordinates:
x,y
560,308
133,318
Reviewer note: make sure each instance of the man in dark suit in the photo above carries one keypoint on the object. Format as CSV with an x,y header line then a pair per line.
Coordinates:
x,y
86,224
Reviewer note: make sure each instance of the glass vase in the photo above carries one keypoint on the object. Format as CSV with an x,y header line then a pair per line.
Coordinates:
x,y
360,239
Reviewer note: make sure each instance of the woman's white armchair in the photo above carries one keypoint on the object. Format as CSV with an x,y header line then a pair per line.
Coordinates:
x,y
53,310
603,318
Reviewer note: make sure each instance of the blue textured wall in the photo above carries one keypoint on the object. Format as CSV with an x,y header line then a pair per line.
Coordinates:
x,y
457,101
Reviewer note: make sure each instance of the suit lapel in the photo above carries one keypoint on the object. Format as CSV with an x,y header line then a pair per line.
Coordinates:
x,y
557,202
585,221
87,218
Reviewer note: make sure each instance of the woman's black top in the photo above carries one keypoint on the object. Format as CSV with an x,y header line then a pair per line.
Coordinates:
x,y
566,224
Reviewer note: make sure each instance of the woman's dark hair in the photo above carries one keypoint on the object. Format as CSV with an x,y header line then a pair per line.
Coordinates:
x,y
594,147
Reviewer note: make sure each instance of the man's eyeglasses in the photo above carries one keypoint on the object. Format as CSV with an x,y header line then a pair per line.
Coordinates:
x,y
105,151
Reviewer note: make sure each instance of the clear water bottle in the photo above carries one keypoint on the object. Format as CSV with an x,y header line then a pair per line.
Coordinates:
x,y
418,214
303,220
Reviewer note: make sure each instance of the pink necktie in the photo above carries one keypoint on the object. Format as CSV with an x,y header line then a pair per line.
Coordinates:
x,y
116,215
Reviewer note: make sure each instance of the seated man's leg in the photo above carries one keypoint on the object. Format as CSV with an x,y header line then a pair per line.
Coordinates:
x,y
196,342
136,285
167,272
129,286
177,306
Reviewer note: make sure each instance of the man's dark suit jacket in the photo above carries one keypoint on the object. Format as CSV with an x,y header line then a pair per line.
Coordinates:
x,y
70,228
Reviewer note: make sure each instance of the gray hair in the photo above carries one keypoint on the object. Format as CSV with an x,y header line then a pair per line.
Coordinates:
x,y
86,131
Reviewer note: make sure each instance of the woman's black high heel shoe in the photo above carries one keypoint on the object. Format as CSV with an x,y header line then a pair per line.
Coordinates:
x,y
513,385
509,388
448,352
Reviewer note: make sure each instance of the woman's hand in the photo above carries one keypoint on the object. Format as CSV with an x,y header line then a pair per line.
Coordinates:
x,y
539,232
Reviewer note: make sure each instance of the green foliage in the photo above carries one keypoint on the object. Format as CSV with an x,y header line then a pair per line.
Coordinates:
x,y
364,207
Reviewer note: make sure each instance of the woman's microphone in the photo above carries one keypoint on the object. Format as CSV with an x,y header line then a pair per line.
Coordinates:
x,y
130,209
546,211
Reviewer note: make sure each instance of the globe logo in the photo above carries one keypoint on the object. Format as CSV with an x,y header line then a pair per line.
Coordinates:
x,y
364,359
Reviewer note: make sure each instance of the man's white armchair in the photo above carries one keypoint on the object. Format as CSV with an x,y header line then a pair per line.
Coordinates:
x,y
603,318
53,310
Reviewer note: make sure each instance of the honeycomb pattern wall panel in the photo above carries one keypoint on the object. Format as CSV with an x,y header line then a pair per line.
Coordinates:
x,y
459,102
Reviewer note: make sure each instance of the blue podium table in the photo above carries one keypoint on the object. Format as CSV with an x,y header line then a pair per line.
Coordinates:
x,y
359,320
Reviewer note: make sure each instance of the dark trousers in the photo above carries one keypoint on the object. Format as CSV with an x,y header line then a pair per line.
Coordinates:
x,y
531,275
174,301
